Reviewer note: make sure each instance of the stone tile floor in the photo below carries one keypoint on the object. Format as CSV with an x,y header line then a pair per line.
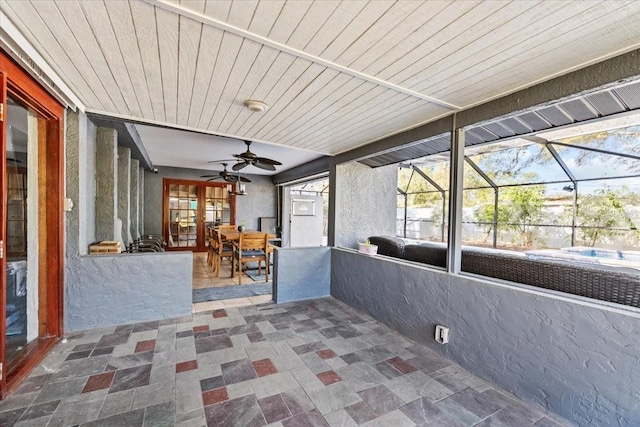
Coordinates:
x,y
205,277
312,363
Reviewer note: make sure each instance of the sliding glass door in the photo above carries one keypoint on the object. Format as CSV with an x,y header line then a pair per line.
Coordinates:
x,y
30,224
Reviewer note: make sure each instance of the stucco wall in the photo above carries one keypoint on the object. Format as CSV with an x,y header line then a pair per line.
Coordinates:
x,y
88,174
104,290
124,192
80,187
365,202
260,200
134,204
576,359
106,177
301,273
111,290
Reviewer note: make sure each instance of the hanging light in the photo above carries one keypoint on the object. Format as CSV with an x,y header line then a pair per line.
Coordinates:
x,y
241,187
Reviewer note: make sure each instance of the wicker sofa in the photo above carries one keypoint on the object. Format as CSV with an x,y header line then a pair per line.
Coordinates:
x,y
592,281
389,245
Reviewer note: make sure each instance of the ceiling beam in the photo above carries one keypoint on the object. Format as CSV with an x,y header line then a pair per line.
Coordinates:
x,y
127,137
402,139
314,167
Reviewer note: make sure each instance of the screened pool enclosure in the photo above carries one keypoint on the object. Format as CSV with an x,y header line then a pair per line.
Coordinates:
x,y
575,187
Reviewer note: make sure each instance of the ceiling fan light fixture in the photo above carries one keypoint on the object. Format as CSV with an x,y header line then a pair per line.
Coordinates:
x,y
255,105
242,190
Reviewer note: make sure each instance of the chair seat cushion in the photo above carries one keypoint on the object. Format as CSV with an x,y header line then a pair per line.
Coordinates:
x,y
252,254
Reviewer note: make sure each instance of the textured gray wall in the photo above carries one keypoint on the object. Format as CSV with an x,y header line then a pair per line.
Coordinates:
x,y
88,188
575,359
260,201
141,200
106,183
124,191
105,290
102,290
301,273
80,186
365,202
76,125
134,192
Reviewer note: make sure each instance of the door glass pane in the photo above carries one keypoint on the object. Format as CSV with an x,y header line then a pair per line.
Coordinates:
x,y
183,208
20,274
217,197
193,209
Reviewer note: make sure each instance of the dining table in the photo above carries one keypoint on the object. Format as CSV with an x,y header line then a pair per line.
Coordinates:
x,y
233,236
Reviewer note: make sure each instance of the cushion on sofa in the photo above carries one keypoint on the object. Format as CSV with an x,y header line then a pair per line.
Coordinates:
x,y
388,245
427,253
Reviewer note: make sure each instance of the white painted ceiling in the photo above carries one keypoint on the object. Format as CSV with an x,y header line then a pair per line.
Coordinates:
x,y
178,148
336,75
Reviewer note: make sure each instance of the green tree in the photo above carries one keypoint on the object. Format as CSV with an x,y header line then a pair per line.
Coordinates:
x,y
520,209
604,215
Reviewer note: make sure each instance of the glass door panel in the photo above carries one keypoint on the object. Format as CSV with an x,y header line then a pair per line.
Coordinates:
x,y
31,220
211,219
21,316
217,207
183,208
193,207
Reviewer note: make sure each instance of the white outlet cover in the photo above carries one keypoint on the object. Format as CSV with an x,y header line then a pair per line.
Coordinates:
x,y
442,334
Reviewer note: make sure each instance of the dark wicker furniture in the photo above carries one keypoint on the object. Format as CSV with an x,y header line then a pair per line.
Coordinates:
x,y
427,253
388,245
592,281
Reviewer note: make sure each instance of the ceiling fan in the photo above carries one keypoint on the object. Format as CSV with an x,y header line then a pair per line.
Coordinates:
x,y
251,159
226,175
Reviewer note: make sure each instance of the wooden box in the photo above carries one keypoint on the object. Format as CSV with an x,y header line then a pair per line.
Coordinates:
x,y
105,247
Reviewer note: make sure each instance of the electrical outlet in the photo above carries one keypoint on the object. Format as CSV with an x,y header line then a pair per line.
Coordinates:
x,y
442,334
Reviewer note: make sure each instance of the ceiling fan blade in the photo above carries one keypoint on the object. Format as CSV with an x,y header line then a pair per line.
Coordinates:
x,y
222,161
239,166
264,160
231,178
248,158
264,166
208,176
243,179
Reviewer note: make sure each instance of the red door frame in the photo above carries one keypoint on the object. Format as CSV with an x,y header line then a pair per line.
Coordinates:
x,y
200,229
20,86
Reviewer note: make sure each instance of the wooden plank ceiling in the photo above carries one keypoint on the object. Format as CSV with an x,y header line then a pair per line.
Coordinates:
x,y
336,74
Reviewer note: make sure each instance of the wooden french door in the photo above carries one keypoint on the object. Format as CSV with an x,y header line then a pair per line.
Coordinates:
x,y
31,223
190,207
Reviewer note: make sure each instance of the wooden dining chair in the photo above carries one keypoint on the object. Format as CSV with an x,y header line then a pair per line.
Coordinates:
x,y
222,249
251,247
211,247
